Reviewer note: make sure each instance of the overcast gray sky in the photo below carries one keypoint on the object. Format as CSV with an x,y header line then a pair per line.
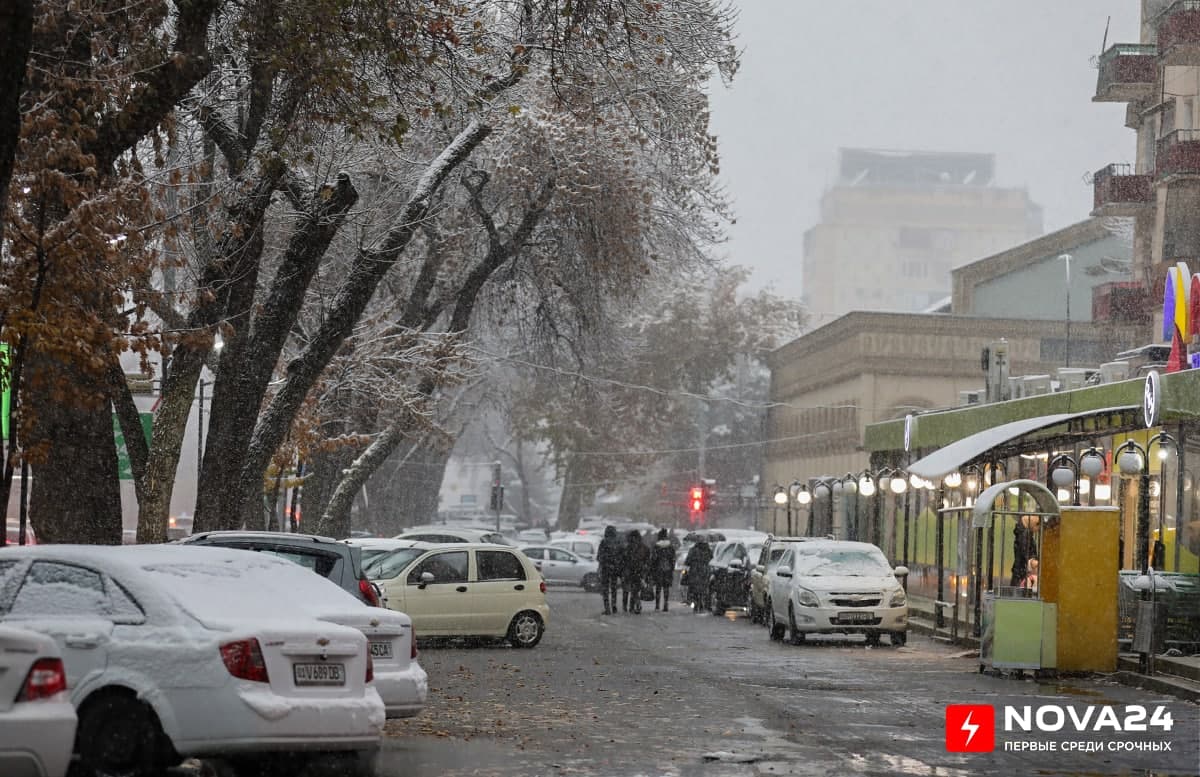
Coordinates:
x,y
1012,78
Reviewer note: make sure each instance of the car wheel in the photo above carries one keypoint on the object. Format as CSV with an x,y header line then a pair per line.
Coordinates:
x,y
774,627
119,736
874,638
526,630
899,638
591,582
796,637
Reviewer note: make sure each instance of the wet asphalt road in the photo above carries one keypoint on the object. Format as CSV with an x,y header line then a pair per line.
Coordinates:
x,y
694,695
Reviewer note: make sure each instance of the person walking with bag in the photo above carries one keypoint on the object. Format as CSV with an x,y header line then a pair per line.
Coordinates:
x,y
611,558
662,568
637,559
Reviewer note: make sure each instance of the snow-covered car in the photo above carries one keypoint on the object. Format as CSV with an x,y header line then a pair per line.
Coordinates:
x,y
562,567
444,534
37,719
374,547
174,651
337,561
466,590
832,586
729,573
760,574
586,545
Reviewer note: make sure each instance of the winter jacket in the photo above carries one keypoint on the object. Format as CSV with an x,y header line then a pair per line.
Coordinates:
x,y
610,556
637,559
662,562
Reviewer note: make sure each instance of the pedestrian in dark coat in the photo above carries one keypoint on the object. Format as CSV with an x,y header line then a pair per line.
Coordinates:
x,y
1024,547
611,558
697,574
637,559
662,568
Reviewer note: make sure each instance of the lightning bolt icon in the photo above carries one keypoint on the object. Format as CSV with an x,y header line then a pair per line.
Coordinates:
x,y
970,728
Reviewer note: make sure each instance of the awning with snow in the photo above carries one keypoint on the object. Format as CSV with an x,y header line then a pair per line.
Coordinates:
x,y
950,458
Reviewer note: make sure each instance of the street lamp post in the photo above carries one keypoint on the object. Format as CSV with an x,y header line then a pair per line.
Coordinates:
x,y
781,499
1063,471
1068,263
1132,459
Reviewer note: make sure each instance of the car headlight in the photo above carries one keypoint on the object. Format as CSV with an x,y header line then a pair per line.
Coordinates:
x,y
807,598
898,598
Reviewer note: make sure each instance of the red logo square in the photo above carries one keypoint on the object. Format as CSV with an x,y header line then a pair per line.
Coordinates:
x,y
970,728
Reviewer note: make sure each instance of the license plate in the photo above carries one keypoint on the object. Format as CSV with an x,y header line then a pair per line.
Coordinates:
x,y
381,650
856,617
319,674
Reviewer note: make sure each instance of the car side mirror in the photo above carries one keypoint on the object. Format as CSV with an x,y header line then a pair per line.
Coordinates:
x,y
901,571
784,571
426,579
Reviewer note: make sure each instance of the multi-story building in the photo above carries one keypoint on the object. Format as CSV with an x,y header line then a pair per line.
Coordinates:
x,y
896,223
1159,194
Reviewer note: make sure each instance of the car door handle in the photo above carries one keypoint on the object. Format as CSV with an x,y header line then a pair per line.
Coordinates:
x,y
82,641
519,587
462,589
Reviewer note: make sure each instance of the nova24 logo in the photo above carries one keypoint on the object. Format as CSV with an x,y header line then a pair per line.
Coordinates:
x,y
971,728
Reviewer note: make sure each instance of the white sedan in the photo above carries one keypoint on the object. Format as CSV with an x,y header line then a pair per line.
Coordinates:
x,y
834,586
399,678
37,719
562,567
174,652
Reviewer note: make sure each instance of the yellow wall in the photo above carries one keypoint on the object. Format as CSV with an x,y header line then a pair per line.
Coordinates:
x,y
1079,574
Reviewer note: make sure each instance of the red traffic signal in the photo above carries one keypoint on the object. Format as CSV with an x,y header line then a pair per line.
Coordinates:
x,y
699,502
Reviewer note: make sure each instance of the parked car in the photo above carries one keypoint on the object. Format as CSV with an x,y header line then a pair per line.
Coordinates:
x,y
399,677
443,534
729,574
585,545
559,566
338,561
832,586
377,546
466,590
174,652
768,558
37,719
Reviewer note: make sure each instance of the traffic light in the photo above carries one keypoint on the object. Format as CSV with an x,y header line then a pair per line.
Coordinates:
x,y
699,499
497,499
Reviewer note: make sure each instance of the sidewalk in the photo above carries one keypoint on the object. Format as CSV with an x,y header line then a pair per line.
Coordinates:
x,y
1177,676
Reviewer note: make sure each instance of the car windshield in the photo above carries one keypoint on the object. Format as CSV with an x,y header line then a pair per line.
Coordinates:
x,y
389,565
828,562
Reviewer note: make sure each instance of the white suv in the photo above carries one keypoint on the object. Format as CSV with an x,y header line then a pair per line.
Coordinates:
x,y
832,586
465,590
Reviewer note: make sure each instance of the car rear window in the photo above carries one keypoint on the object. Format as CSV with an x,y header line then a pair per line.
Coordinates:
x,y
499,565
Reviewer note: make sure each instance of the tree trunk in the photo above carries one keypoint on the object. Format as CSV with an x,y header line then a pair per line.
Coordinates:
x,y
76,495
364,276
324,472
335,520
571,504
16,29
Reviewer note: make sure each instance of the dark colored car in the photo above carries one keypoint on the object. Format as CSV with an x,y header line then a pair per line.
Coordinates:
x,y
330,558
729,574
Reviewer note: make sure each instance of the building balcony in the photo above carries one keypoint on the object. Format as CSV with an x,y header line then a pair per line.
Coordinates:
x,y
1128,72
1178,155
1179,33
1116,191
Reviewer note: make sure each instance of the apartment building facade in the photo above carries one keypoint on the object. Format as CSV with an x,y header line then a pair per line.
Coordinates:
x,y
1158,195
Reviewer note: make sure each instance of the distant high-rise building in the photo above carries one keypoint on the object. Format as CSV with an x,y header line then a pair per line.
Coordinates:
x,y
896,223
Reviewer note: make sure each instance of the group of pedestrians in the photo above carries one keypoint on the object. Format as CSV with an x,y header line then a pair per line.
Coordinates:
x,y
626,562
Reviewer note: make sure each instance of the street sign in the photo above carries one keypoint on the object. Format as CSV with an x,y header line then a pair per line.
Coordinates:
x,y
124,467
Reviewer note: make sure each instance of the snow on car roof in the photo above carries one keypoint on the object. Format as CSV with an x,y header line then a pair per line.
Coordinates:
x,y
211,583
